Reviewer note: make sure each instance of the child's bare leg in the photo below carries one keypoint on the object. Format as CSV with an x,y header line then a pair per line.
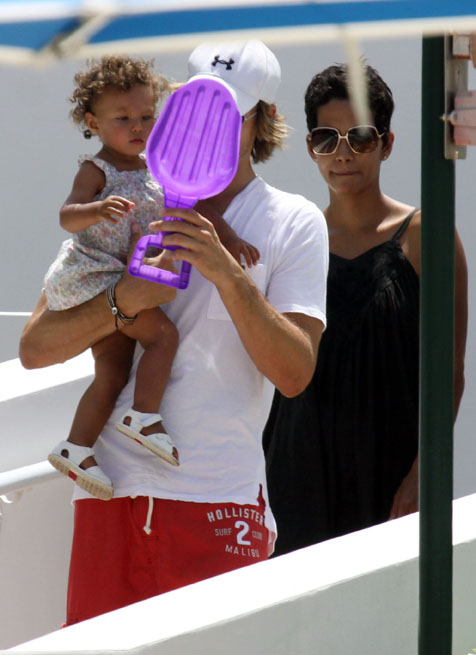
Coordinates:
x,y
113,358
159,337
75,457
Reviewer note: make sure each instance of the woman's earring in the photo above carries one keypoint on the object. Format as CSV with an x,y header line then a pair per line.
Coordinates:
x,y
87,134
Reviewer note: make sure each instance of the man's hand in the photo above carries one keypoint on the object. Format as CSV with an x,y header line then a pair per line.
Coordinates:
x,y
134,294
199,244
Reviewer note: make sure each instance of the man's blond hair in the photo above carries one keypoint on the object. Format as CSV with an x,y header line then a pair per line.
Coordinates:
x,y
271,131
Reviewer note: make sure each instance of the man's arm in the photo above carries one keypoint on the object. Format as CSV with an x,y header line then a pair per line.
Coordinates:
x,y
52,337
282,346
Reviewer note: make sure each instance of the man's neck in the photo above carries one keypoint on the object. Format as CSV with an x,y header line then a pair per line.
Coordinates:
x,y
244,175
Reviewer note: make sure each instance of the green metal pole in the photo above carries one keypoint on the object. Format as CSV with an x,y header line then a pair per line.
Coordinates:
x,y
436,360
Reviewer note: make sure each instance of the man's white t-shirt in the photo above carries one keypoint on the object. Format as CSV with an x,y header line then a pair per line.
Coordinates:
x,y
216,403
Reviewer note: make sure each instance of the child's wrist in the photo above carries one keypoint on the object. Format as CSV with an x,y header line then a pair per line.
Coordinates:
x,y
97,208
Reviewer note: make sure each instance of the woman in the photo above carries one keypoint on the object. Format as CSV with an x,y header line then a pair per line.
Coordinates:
x,y
343,455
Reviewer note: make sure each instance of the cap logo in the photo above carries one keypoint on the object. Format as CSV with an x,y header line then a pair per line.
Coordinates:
x,y
228,63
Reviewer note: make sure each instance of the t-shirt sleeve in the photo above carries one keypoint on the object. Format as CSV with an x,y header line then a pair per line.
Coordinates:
x,y
299,278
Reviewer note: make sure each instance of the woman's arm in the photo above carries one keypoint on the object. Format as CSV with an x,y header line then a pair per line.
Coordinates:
x,y
461,321
412,247
406,498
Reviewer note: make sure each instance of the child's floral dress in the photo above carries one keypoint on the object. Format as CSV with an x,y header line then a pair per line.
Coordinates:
x,y
94,258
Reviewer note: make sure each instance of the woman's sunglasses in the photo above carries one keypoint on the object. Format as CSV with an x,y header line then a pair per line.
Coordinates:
x,y
361,139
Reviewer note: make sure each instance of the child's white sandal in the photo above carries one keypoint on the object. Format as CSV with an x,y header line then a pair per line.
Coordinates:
x,y
67,458
159,443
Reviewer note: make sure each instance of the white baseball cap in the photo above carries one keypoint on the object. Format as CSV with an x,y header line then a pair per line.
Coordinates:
x,y
249,69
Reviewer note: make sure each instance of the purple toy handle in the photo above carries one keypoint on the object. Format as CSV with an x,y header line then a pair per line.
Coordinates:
x,y
152,273
192,152
171,279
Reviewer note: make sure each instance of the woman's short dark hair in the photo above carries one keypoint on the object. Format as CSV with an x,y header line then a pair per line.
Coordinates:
x,y
332,84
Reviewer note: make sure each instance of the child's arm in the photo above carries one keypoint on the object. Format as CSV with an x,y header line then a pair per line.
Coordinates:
x,y
80,210
233,243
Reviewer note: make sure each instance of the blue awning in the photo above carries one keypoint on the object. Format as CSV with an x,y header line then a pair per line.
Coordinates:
x,y
77,28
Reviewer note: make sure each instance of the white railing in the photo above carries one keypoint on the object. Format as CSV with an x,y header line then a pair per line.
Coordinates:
x,y
26,477
356,594
15,313
15,482
35,541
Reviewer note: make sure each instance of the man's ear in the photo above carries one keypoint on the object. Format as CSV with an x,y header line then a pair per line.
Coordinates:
x,y
272,111
91,122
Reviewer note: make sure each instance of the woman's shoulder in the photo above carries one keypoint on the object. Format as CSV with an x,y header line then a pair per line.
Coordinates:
x,y
410,239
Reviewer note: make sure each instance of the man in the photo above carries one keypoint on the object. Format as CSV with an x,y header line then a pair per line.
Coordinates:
x,y
241,332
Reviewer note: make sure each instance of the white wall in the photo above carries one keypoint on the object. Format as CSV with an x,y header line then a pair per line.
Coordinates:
x,y
356,594
35,544
36,408
35,525
40,148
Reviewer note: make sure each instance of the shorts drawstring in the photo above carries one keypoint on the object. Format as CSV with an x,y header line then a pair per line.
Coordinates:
x,y
146,527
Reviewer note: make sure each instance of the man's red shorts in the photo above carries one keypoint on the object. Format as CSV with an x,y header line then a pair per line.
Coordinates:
x,y
128,549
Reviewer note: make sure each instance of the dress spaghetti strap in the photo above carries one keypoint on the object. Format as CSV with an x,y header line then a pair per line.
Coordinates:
x,y
404,225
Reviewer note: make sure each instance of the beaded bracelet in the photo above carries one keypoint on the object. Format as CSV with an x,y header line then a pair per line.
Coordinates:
x,y
111,299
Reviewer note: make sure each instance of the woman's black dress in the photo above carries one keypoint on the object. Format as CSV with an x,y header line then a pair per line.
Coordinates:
x,y
337,453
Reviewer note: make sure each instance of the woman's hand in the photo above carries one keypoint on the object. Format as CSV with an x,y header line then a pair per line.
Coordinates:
x,y
406,499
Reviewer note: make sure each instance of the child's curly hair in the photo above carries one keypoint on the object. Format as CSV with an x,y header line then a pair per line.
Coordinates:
x,y
114,72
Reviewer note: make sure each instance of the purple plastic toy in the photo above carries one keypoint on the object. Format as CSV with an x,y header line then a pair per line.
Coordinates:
x,y
192,152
